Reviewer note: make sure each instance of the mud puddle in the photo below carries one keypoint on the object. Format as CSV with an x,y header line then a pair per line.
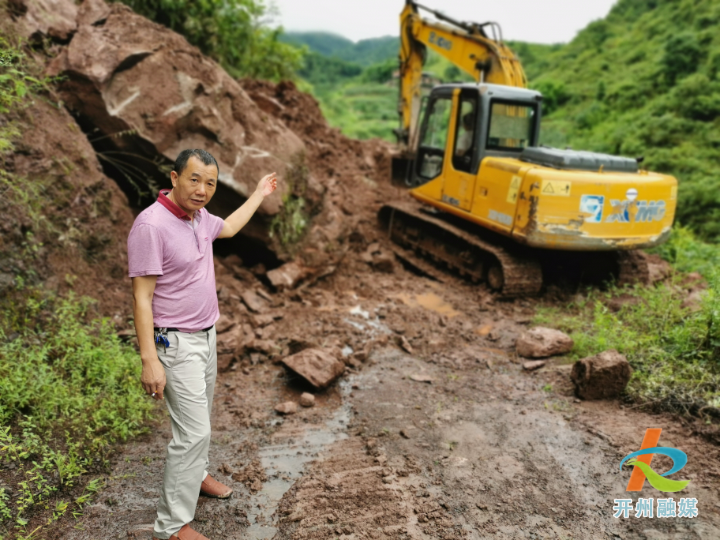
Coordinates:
x,y
285,460
430,301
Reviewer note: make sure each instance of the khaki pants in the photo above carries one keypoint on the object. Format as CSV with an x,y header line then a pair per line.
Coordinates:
x,y
190,364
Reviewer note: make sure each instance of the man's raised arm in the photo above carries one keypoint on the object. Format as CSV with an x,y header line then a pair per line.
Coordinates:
x,y
239,218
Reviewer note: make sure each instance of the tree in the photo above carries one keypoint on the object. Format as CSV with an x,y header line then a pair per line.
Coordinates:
x,y
236,33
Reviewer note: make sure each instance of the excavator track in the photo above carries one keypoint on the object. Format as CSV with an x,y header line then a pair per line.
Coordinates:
x,y
422,236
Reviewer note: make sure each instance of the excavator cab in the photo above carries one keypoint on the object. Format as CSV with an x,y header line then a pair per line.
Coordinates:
x,y
463,124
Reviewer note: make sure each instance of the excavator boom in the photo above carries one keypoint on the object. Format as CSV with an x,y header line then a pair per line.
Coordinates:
x,y
466,45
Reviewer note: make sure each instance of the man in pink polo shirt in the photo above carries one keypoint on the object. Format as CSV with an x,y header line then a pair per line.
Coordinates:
x,y
170,258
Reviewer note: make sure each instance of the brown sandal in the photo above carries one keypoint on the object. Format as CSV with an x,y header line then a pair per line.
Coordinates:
x,y
186,533
212,488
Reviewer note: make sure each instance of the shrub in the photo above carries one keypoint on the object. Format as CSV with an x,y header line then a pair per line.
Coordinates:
x,y
233,32
69,390
681,56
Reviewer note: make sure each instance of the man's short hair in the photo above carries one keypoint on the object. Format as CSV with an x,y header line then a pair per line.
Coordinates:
x,y
203,155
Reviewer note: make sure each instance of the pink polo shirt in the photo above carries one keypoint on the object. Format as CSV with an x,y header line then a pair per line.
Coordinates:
x,y
162,243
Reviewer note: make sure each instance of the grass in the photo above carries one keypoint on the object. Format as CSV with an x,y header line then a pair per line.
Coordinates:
x,y
290,224
674,350
68,392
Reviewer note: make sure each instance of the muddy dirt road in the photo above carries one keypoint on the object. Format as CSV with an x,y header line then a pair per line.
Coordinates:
x,y
477,448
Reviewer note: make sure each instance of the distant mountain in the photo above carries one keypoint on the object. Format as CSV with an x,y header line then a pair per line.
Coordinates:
x,y
324,43
365,52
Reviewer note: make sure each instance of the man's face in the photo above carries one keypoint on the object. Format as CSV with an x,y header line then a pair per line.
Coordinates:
x,y
194,188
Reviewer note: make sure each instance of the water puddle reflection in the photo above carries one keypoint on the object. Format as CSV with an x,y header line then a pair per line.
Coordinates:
x,y
284,462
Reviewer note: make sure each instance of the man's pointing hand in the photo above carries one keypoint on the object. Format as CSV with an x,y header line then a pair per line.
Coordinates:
x,y
268,184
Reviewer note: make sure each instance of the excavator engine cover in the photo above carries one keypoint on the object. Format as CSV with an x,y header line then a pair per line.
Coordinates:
x,y
577,160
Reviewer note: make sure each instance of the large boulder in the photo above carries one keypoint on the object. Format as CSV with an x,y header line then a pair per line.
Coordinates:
x,y
37,19
540,342
144,89
317,366
602,376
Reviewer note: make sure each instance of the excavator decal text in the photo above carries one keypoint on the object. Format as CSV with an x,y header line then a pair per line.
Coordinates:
x,y
645,211
440,41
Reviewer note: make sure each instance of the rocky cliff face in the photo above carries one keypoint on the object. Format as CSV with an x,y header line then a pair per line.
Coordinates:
x,y
130,96
125,74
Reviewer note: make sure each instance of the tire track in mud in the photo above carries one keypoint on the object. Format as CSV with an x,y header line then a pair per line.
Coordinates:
x,y
355,493
475,454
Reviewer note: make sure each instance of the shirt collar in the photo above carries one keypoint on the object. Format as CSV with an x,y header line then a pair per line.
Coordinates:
x,y
175,210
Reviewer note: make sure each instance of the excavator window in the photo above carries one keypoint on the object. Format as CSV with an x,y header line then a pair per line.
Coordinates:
x,y
465,134
433,138
512,125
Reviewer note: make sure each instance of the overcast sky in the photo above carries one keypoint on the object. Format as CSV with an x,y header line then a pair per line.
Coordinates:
x,y
538,21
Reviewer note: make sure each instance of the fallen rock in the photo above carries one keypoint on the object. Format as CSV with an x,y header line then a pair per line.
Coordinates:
x,y
405,344
224,361
602,376
261,321
286,276
40,18
532,365
307,399
289,407
92,12
224,324
421,377
380,259
262,345
253,301
315,365
540,342
112,79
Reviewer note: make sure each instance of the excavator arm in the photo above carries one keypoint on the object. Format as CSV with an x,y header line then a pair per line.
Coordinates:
x,y
466,45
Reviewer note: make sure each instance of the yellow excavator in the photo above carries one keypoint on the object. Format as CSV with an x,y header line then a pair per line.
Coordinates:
x,y
493,205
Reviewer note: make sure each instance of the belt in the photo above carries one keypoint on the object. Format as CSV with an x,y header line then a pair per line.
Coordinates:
x,y
176,330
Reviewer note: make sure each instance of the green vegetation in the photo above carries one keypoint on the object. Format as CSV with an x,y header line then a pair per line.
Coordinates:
x,y
233,32
645,81
687,253
674,349
362,110
68,387
290,224
15,84
68,391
